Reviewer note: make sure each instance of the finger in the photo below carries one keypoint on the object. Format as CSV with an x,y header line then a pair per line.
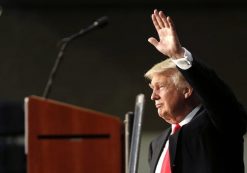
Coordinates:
x,y
155,22
153,41
158,19
164,19
170,23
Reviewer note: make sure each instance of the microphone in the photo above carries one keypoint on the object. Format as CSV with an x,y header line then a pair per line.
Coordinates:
x,y
99,23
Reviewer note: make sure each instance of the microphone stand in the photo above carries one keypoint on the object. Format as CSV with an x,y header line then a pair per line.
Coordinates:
x,y
63,44
101,22
54,69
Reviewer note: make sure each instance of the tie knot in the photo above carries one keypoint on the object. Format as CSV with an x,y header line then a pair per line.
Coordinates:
x,y
176,128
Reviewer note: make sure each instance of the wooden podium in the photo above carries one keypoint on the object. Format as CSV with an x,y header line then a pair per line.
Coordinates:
x,y
62,138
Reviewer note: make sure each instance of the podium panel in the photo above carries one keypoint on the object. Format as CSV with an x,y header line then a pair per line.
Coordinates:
x,y
62,138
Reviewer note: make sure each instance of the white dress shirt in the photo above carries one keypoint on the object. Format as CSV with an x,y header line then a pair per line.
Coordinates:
x,y
184,62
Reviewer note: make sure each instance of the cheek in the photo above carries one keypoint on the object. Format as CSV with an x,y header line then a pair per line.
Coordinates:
x,y
172,99
167,96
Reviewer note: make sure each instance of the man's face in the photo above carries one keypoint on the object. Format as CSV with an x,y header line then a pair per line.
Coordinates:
x,y
169,100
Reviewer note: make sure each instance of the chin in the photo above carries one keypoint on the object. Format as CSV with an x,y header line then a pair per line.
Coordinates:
x,y
161,114
165,117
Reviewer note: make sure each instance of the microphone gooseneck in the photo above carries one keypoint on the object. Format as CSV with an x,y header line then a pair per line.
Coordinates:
x,y
99,23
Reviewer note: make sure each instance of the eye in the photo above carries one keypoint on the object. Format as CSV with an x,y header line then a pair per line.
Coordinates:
x,y
162,86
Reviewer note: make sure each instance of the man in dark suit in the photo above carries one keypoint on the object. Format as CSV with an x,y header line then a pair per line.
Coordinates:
x,y
209,120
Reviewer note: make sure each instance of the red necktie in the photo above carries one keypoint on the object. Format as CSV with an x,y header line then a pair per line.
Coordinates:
x,y
166,167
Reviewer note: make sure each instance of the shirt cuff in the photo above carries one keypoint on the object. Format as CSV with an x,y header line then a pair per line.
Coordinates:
x,y
184,62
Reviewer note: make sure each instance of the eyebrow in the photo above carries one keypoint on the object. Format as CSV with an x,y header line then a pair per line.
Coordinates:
x,y
158,83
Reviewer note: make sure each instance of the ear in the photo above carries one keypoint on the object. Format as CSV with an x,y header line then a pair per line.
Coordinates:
x,y
187,91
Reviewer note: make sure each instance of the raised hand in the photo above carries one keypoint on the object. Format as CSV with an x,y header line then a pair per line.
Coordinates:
x,y
168,43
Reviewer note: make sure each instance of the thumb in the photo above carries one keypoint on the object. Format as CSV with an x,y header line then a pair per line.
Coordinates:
x,y
153,41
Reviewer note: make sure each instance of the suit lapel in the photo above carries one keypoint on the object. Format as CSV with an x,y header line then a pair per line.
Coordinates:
x,y
159,148
173,140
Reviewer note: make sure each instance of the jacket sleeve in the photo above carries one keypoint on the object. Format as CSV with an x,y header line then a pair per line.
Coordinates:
x,y
220,102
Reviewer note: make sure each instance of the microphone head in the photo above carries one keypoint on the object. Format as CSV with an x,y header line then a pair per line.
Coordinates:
x,y
101,22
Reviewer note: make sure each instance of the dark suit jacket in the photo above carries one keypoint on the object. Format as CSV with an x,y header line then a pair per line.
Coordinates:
x,y
213,141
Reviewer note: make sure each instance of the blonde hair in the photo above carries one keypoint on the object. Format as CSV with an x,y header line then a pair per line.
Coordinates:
x,y
168,66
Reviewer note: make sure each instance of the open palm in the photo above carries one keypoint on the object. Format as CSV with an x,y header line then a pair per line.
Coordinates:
x,y
168,43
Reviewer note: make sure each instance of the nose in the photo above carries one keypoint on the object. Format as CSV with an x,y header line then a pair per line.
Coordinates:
x,y
154,95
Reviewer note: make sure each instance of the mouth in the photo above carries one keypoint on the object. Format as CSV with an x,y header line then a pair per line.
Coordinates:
x,y
158,105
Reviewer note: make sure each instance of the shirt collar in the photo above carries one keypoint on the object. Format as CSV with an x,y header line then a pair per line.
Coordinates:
x,y
189,117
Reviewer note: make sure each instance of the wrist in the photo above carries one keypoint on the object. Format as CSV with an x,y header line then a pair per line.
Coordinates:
x,y
178,54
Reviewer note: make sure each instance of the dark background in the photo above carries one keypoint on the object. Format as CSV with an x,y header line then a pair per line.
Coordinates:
x,y
104,69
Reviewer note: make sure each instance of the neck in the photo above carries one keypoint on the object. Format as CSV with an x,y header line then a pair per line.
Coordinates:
x,y
191,104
